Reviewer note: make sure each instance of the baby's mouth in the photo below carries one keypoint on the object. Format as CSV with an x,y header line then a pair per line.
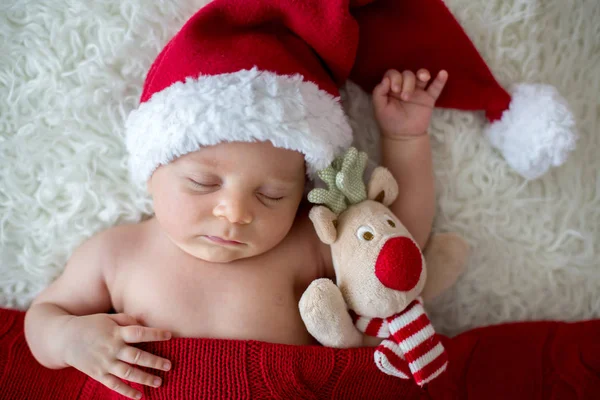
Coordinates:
x,y
219,240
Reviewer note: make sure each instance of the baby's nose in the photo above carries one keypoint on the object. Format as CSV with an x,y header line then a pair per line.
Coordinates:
x,y
235,210
399,264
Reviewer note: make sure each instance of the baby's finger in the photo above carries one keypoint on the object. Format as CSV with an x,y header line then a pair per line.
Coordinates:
x,y
436,87
123,319
380,93
132,355
114,383
383,88
139,334
395,80
423,77
135,375
408,84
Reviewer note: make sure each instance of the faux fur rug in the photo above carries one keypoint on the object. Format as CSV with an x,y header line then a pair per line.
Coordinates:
x,y
70,71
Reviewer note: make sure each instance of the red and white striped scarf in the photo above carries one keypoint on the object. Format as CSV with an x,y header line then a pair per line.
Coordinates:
x,y
411,345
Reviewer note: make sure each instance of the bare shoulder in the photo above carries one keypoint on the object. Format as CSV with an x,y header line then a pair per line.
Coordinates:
x,y
82,288
111,244
314,250
122,240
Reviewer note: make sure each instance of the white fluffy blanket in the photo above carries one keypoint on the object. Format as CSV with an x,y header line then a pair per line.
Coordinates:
x,y
71,70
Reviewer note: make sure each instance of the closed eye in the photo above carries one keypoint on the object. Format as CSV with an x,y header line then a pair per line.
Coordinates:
x,y
270,198
204,185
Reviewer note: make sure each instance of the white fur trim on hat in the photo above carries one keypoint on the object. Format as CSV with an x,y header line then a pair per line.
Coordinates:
x,y
248,106
536,132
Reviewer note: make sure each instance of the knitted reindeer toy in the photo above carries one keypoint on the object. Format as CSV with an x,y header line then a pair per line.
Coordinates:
x,y
380,273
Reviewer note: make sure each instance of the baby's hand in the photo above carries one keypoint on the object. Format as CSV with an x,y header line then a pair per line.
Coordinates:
x,y
97,346
403,103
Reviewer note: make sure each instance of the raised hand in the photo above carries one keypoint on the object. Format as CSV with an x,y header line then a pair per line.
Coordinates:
x,y
404,102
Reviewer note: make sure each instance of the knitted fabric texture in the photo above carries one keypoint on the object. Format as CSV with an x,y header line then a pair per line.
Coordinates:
x,y
345,182
411,345
555,361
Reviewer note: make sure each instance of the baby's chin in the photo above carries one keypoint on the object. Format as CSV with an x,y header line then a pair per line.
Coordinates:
x,y
221,258
225,255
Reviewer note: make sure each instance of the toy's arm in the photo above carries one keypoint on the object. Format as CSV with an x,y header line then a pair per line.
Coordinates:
x,y
446,257
326,317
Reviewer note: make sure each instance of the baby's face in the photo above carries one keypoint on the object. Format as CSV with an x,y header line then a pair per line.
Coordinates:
x,y
229,201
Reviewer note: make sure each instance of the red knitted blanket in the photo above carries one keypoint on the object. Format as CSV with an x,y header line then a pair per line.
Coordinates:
x,y
537,360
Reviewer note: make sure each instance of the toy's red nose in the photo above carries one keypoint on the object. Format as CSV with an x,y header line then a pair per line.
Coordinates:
x,y
399,264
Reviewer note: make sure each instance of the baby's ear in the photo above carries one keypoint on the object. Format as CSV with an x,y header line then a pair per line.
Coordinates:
x,y
325,222
382,186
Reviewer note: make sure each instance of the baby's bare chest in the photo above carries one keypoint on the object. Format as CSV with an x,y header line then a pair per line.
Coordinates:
x,y
255,299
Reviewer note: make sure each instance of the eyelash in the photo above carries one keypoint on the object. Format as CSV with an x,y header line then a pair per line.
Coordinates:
x,y
271,198
202,186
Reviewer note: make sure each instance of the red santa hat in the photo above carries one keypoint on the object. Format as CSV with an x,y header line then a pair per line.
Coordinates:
x,y
532,127
269,70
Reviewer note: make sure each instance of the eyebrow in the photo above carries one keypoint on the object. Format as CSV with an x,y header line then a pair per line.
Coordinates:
x,y
206,161
281,181
189,164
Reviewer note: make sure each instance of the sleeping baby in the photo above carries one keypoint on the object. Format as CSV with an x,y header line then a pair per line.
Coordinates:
x,y
226,142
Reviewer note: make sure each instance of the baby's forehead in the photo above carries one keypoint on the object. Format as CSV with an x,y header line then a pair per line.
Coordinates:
x,y
198,158
209,161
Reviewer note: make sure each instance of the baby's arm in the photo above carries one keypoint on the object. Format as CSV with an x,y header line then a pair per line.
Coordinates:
x,y
68,324
403,109
410,162
80,290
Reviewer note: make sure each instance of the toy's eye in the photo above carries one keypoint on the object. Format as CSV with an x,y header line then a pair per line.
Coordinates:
x,y
390,221
365,233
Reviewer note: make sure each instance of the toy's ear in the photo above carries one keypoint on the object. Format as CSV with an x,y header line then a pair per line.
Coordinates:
x,y
446,258
382,186
325,222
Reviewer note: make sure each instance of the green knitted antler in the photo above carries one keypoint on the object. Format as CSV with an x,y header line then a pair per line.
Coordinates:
x,y
344,178
350,179
333,198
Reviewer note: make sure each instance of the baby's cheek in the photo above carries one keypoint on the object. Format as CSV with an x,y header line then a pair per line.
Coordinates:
x,y
277,229
175,213
275,232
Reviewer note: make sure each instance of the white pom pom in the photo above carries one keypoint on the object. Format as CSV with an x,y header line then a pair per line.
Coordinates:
x,y
536,132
